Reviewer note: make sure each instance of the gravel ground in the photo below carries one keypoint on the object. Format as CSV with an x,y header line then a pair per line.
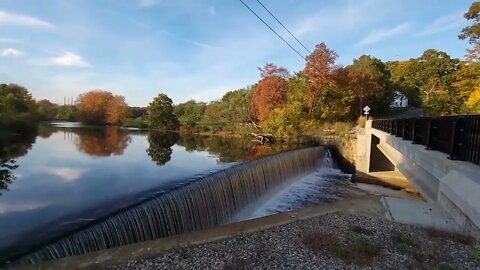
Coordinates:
x,y
332,241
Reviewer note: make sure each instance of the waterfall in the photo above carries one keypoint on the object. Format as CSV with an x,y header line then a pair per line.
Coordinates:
x,y
208,202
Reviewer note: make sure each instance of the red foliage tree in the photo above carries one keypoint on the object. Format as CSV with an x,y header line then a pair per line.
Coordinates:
x,y
271,91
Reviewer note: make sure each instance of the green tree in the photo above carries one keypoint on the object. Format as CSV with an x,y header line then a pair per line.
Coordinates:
x,y
472,32
433,74
402,77
17,108
46,110
190,112
66,113
467,78
160,113
236,105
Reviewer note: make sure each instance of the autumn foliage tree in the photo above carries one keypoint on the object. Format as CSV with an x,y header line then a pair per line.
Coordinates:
x,y
102,107
271,91
319,67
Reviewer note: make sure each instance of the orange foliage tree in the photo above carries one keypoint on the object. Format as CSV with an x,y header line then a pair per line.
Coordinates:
x,y
319,67
271,91
102,107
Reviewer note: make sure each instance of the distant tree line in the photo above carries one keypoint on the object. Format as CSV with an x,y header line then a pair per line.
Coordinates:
x,y
282,102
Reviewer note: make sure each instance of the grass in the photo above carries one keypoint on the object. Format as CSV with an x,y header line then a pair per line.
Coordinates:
x,y
136,122
455,237
356,248
360,230
406,245
474,254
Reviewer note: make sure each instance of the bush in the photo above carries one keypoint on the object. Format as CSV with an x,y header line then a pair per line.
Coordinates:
x,y
361,121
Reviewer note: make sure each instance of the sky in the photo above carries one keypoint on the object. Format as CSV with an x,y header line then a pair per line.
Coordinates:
x,y
200,49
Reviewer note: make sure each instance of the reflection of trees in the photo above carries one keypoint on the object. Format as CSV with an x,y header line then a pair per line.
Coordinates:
x,y
102,142
160,149
12,147
230,149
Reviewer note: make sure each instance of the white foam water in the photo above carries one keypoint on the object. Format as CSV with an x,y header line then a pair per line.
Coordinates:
x,y
325,184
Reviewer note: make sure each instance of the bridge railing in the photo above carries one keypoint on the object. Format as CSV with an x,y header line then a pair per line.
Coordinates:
x,y
457,136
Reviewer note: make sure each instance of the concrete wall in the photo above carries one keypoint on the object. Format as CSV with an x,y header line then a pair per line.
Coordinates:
x,y
454,185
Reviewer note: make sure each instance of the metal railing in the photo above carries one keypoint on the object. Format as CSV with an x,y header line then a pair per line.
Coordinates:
x,y
457,136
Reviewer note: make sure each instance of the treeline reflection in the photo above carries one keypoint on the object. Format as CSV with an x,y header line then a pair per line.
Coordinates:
x,y
112,141
11,148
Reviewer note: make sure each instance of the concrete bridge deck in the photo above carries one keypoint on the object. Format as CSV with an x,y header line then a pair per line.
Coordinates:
x,y
451,184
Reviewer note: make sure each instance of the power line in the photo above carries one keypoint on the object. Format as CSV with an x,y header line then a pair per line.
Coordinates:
x,y
275,32
284,27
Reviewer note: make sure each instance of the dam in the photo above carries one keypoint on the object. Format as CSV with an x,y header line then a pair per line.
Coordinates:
x,y
242,191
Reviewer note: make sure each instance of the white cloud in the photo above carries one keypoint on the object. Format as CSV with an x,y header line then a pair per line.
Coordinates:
x,y
148,3
383,34
69,59
7,18
10,52
64,174
443,24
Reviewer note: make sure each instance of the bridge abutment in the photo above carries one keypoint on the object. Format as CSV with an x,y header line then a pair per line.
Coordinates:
x,y
451,184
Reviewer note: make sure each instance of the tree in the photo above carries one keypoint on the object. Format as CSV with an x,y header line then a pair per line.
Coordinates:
x,y
17,108
370,80
433,74
46,110
190,112
160,113
270,93
101,107
472,32
318,69
288,119
117,110
213,112
466,78
473,101
402,78
236,105
340,98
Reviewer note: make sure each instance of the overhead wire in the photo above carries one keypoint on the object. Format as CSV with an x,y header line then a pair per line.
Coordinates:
x,y
284,27
273,30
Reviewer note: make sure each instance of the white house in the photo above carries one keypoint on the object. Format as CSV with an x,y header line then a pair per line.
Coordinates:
x,y
400,101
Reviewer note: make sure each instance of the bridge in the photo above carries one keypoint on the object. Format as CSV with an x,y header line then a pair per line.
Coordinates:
x,y
439,156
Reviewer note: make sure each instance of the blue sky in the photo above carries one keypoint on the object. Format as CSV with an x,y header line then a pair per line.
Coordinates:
x,y
202,48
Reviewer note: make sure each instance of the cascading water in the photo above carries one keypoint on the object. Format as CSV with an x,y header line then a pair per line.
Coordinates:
x,y
208,202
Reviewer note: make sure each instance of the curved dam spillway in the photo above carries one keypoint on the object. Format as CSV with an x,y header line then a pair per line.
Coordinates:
x,y
210,201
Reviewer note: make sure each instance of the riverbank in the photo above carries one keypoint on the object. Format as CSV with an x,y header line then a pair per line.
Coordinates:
x,y
369,232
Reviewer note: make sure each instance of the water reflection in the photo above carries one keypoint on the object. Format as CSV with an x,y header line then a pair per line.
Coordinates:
x,y
230,149
11,148
160,146
102,142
